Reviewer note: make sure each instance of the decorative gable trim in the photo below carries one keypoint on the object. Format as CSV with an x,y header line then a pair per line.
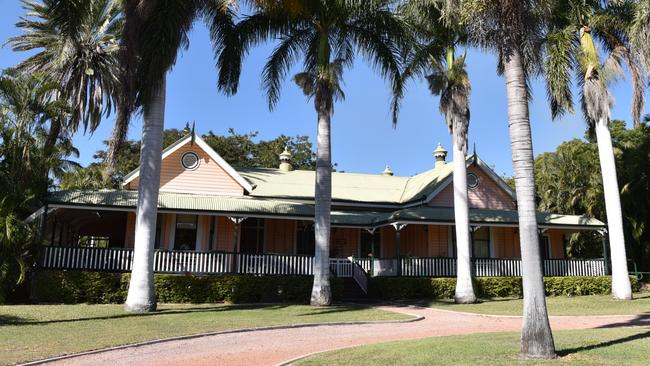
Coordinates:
x,y
208,150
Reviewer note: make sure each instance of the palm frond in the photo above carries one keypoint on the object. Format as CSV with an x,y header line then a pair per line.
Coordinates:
x,y
560,47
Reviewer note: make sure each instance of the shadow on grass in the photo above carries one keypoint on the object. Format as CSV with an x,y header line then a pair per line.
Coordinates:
x,y
634,337
13,320
333,309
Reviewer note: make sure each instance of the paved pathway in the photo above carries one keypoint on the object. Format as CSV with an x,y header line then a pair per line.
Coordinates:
x,y
270,347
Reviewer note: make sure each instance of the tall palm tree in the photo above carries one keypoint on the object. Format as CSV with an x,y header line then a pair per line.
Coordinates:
x,y
154,31
571,47
512,29
77,43
434,59
326,35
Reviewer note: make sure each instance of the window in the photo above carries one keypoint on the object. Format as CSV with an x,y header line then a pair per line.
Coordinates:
x,y
185,238
481,243
370,243
252,236
305,238
480,240
190,160
472,180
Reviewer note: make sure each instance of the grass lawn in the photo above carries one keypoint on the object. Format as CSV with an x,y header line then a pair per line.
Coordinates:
x,y
621,346
30,332
560,305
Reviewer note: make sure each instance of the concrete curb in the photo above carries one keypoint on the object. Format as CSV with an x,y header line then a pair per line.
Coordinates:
x,y
208,334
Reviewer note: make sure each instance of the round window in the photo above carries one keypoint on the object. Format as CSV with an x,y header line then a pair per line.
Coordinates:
x,y
472,180
190,160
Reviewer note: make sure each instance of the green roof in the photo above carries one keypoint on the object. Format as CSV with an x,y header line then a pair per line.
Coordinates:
x,y
255,206
354,187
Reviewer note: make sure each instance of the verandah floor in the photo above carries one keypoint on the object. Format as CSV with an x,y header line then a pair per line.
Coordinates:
x,y
30,332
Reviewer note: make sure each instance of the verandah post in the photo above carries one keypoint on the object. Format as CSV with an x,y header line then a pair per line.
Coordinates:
x,y
236,221
605,244
398,227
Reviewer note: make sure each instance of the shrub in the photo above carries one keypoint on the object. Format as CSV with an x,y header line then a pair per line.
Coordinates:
x,y
408,288
104,288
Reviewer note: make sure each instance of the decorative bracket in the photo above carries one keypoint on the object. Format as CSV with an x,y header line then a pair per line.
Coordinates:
x,y
237,220
603,231
398,226
371,230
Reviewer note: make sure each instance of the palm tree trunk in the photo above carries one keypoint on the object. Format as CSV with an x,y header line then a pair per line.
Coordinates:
x,y
621,288
141,296
321,294
536,336
464,286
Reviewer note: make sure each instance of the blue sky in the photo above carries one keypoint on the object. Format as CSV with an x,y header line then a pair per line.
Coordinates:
x,y
363,139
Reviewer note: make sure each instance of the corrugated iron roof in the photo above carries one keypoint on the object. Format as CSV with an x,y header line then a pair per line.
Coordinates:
x,y
255,206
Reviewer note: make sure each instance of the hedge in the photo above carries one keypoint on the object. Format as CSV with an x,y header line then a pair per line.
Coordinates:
x,y
104,288
405,288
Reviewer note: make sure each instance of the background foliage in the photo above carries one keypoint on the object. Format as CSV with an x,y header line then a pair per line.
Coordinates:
x,y
569,181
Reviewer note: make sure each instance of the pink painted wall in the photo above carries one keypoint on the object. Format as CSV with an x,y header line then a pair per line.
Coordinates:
x,y
208,178
488,194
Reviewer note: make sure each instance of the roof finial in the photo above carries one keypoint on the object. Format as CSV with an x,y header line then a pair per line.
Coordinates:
x,y
387,171
193,135
474,153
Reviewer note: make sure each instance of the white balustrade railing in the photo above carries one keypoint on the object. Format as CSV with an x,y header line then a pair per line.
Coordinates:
x,y
120,260
574,267
429,267
497,267
342,267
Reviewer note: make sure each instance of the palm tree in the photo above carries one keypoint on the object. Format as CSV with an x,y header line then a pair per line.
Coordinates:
x,y
570,46
77,43
447,77
153,33
326,34
512,29
25,166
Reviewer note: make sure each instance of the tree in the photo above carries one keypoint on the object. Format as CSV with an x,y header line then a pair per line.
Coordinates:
x,y
434,59
326,35
571,46
512,29
568,181
77,43
27,169
153,33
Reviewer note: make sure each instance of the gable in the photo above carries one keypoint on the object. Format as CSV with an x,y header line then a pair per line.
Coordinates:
x,y
487,195
212,175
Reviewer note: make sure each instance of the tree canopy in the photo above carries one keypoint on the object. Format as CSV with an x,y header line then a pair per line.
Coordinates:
x,y
239,150
568,181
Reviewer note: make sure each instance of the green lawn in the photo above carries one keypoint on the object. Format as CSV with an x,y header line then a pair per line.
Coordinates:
x,y
30,332
560,305
621,346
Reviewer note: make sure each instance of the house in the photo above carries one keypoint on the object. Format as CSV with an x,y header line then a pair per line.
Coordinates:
x,y
214,218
